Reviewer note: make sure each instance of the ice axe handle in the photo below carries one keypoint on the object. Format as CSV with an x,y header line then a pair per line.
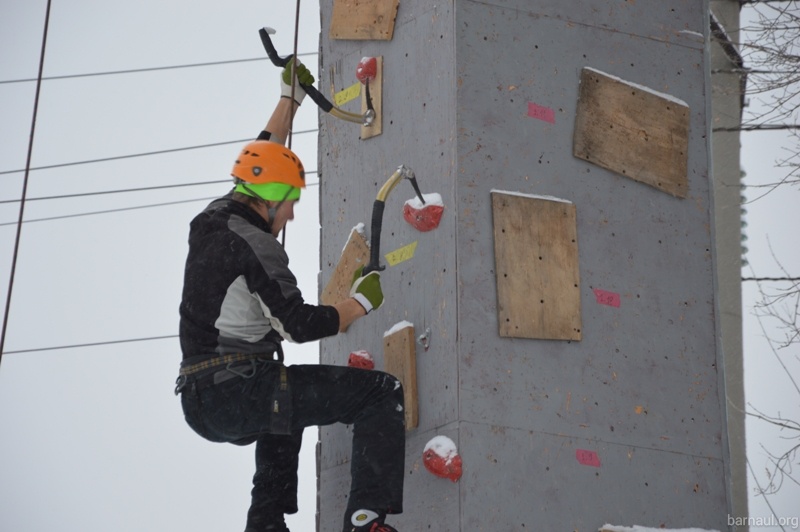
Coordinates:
x,y
279,61
375,239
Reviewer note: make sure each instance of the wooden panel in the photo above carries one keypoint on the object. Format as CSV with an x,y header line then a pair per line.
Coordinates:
x,y
633,131
363,19
536,265
355,254
376,94
400,359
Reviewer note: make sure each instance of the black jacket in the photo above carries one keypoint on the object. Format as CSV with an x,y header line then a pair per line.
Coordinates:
x,y
239,295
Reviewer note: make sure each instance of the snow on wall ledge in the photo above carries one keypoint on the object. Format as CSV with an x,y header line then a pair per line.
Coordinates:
x,y
636,528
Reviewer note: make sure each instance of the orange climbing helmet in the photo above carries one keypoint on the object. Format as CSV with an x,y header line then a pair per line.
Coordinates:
x,y
262,162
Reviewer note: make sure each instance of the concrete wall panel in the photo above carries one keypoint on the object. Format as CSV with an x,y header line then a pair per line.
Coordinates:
x,y
524,480
481,96
658,346
650,19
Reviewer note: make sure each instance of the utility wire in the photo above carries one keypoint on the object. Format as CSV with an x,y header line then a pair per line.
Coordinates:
x,y
108,211
120,191
25,181
294,88
168,337
142,154
74,346
139,70
760,127
137,207
792,279
39,79
128,190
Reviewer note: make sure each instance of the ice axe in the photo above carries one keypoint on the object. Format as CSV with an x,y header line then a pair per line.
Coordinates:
x,y
402,172
366,119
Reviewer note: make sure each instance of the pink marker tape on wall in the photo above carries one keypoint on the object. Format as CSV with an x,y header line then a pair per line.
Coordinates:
x,y
587,458
607,298
541,112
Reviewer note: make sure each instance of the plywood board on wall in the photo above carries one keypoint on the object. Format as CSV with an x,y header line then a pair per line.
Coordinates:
x,y
363,19
400,359
634,131
536,265
354,255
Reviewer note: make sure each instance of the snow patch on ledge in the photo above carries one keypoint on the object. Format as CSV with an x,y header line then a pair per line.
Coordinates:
x,y
443,446
636,528
398,326
434,198
535,196
641,87
358,228
696,36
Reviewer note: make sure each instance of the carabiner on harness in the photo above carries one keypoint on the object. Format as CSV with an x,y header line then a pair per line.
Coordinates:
x,y
245,373
180,384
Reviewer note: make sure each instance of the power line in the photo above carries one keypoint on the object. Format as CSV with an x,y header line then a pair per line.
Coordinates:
x,y
25,181
74,346
759,127
166,337
792,279
128,190
137,207
108,211
142,154
120,191
139,70
39,79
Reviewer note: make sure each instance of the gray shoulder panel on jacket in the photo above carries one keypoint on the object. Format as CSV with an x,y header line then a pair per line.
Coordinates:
x,y
270,254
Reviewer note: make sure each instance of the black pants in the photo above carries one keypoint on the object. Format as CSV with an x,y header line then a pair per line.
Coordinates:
x,y
239,410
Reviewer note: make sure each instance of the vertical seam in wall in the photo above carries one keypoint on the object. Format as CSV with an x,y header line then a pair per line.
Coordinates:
x,y
454,159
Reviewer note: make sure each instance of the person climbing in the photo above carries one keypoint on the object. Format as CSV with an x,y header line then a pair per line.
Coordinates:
x,y
240,301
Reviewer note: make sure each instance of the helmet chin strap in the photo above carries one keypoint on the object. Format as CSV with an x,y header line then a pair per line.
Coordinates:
x,y
272,212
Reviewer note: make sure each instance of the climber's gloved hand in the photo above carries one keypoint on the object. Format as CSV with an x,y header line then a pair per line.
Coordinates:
x,y
304,77
367,289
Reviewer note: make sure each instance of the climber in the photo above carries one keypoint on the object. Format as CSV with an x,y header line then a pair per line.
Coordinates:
x,y
240,301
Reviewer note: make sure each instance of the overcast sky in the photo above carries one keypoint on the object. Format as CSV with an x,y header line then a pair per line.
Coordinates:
x,y
92,437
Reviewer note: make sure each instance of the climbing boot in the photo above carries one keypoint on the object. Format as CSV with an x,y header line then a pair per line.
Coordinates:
x,y
276,526
367,521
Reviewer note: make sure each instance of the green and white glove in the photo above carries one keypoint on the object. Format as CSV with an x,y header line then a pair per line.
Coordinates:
x,y
303,77
367,290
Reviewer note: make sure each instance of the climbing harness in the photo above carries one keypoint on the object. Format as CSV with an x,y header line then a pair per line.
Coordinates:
x,y
233,363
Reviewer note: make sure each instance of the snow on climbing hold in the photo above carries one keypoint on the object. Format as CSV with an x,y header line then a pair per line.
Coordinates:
x,y
441,458
424,216
367,69
361,359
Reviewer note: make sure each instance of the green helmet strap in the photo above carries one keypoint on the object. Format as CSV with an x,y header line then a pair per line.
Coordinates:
x,y
269,191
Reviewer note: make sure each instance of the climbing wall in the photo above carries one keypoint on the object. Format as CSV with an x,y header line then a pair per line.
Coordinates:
x,y
561,316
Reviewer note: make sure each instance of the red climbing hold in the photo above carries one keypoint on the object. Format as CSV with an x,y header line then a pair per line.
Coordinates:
x,y
361,359
441,458
424,216
367,69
